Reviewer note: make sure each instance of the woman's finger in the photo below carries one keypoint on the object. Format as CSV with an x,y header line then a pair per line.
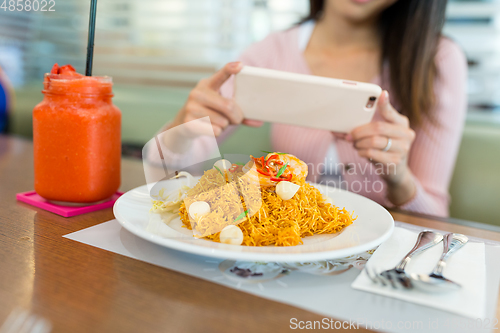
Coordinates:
x,y
379,156
253,123
196,111
217,80
339,135
381,142
216,102
380,128
389,112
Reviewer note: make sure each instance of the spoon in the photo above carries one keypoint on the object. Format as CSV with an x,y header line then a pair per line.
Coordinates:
x,y
435,281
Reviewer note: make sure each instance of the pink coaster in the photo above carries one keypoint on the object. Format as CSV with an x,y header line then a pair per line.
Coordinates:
x,y
31,198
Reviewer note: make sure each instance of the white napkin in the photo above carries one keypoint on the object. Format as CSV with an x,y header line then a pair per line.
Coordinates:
x,y
466,267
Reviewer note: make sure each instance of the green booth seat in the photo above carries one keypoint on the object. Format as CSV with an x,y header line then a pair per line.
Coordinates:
x,y
475,187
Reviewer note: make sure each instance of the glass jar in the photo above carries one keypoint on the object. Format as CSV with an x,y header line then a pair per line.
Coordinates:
x,y
77,140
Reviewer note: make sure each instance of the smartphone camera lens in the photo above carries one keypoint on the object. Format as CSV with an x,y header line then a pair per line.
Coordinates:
x,y
371,102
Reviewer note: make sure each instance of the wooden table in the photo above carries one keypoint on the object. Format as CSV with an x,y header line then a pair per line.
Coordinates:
x,y
80,288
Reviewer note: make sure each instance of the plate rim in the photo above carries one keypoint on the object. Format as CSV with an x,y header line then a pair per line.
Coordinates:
x,y
249,256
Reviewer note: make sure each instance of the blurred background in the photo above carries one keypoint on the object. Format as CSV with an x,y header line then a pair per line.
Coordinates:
x,y
156,51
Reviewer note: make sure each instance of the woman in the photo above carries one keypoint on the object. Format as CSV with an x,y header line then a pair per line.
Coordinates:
x,y
414,137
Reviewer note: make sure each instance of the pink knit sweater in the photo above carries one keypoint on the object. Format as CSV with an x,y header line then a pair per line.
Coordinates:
x,y
432,156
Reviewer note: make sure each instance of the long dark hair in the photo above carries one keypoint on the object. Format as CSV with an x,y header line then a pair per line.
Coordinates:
x,y
411,30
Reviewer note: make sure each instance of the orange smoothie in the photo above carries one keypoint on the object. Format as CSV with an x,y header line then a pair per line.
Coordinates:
x,y
77,138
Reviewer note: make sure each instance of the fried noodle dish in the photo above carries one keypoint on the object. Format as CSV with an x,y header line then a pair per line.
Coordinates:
x,y
265,202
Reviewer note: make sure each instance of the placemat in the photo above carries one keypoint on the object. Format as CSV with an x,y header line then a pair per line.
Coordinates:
x,y
320,287
466,267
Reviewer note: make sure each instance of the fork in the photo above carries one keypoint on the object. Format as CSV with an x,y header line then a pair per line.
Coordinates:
x,y
397,277
375,276
22,321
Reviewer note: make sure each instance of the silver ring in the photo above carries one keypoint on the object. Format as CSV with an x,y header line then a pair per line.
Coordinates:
x,y
389,144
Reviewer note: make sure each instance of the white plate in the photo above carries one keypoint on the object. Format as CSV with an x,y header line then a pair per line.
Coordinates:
x,y
373,226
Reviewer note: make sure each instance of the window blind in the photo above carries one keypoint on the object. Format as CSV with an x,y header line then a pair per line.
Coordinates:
x,y
166,42
177,42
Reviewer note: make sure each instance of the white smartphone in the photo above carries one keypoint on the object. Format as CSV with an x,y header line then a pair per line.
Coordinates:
x,y
305,100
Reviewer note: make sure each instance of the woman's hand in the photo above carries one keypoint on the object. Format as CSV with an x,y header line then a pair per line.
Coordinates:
x,y
388,143
205,100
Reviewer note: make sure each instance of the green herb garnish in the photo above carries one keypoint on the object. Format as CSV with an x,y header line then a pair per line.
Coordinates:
x,y
242,215
272,152
238,163
281,170
219,170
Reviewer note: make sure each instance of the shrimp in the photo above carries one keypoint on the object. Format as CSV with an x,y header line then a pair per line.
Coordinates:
x,y
276,167
296,167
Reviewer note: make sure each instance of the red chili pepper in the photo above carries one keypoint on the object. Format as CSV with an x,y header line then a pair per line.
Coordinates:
x,y
288,177
269,167
262,173
271,158
276,179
